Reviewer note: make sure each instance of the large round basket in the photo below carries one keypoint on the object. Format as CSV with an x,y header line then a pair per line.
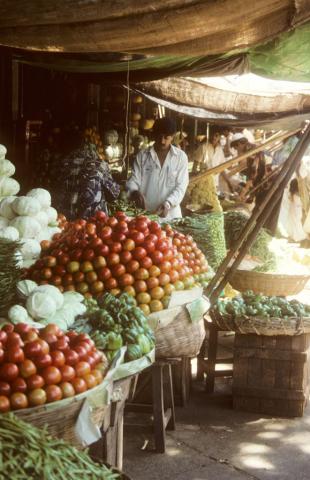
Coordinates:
x,y
268,283
60,417
178,336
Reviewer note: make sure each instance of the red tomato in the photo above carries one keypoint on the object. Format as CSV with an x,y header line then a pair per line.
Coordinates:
x,y
14,340
101,216
63,259
98,375
35,381
120,215
137,237
20,328
90,380
52,328
5,388
152,283
165,266
138,253
59,270
105,233
76,254
149,246
90,228
103,250
140,286
141,274
168,254
116,247
110,284
118,237
19,385
97,287
4,404
113,259
163,279
118,270
88,254
125,280
33,349
56,280
99,262
125,257
157,257
146,262
67,389
91,277
18,400
27,368
3,336
51,375
141,224
53,393
67,373
61,344
79,385
37,397
81,351
14,355
104,274
58,358
174,276
43,360
8,372
129,244
112,221
154,227
78,277
132,266
95,243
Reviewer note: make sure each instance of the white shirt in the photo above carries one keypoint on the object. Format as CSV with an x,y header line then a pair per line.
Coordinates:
x,y
159,184
214,156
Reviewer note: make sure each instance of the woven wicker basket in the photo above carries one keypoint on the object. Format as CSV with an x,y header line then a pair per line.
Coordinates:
x,y
262,326
181,337
268,283
60,417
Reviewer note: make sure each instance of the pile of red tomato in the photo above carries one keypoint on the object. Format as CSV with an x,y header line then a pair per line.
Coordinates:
x,y
43,366
115,254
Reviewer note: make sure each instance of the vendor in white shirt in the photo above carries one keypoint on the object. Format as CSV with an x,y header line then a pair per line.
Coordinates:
x,y
160,174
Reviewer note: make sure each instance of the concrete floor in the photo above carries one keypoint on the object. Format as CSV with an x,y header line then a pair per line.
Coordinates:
x,y
214,442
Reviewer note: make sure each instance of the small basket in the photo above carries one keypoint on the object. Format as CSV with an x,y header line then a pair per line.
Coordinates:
x,y
180,337
268,283
60,417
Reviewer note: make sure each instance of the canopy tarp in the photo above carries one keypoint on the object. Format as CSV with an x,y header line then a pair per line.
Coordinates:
x,y
161,27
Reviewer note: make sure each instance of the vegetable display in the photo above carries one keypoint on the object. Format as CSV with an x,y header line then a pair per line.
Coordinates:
x,y
46,365
203,194
251,304
29,452
115,322
9,273
115,254
208,231
234,224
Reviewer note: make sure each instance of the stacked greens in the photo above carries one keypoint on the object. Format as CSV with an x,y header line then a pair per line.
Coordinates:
x,y
234,224
27,452
10,273
129,208
113,322
208,232
251,304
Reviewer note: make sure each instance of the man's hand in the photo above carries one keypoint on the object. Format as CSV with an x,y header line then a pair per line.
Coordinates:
x,y
138,198
164,209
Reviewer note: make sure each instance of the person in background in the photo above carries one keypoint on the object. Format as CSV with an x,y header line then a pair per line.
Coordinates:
x,y
86,180
290,218
159,176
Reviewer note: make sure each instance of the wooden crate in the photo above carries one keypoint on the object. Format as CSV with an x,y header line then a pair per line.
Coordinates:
x,y
271,374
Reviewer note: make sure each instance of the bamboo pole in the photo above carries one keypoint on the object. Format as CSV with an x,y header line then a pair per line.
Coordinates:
x,y
244,156
259,216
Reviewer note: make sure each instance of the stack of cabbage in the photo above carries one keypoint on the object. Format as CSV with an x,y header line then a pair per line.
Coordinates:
x,y
29,219
8,186
46,304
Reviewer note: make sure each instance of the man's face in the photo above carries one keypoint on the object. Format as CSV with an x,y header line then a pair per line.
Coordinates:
x,y
240,146
215,140
163,141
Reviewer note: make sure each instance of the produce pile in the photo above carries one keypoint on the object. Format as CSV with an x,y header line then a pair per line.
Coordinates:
x,y
45,304
28,452
8,186
115,254
208,231
115,322
30,219
251,304
202,194
46,365
9,273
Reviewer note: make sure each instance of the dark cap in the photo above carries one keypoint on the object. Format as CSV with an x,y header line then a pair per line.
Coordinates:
x,y
165,126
